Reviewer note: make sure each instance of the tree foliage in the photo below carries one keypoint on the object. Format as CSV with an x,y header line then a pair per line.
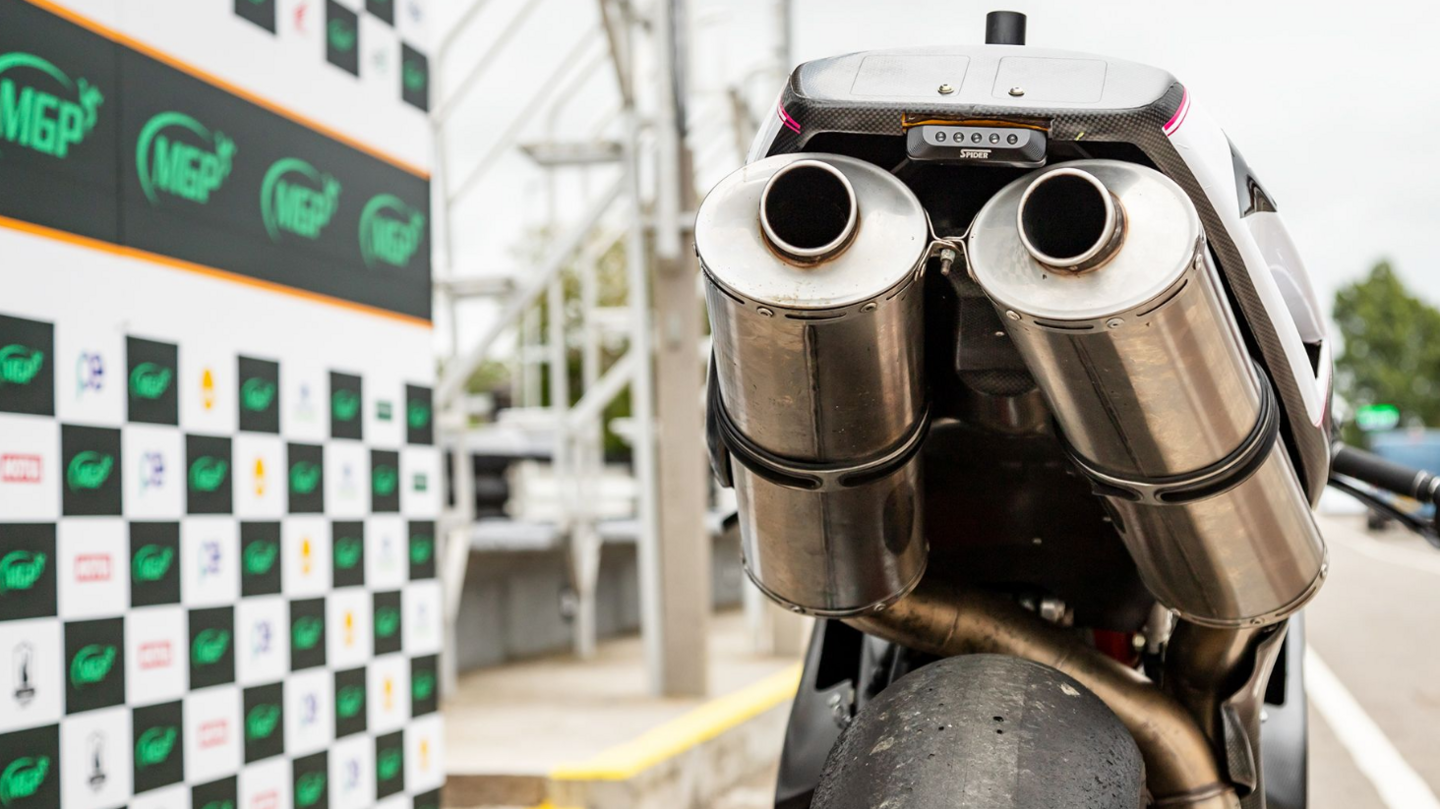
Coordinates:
x,y
1391,347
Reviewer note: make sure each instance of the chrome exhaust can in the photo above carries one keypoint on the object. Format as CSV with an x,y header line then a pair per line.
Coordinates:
x,y
812,267
1101,274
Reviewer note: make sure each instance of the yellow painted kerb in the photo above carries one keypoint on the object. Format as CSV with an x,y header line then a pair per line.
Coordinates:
x,y
624,761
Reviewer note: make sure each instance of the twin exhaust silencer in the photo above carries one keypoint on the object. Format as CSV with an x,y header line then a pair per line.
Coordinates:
x,y
1100,272
812,275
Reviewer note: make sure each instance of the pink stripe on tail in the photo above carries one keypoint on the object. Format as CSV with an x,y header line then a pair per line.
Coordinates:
x,y
1179,117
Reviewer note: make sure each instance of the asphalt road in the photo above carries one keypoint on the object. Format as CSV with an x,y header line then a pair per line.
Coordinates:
x,y
1375,625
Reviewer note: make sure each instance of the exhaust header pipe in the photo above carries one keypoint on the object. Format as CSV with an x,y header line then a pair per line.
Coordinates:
x,y
812,275
1101,275
1179,767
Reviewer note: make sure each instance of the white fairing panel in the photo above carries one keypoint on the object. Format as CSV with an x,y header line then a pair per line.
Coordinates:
x,y
1285,264
1203,146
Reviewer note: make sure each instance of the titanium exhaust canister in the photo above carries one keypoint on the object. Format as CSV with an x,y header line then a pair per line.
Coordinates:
x,y
1101,274
813,267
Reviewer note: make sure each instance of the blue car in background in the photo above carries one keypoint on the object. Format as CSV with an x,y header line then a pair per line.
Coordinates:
x,y
1419,448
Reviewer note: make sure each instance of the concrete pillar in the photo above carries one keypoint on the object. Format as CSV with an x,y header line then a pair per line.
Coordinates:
x,y
683,550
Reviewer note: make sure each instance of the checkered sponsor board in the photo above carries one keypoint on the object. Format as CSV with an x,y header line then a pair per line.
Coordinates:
x,y
218,483
217,579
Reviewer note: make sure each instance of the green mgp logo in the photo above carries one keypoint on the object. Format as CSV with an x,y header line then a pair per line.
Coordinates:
x,y
349,701
19,365
422,547
155,745
88,470
413,75
92,664
417,414
150,381
390,231
345,404
309,789
19,570
182,169
384,479
305,634
387,766
23,778
256,394
207,473
220,804
341,35
262,720
38,119
422,687
304,477
347,552
387,622
296,198
259,557
152,562
209,646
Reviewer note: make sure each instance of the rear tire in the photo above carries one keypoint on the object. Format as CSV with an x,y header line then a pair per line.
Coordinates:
x,y
980,732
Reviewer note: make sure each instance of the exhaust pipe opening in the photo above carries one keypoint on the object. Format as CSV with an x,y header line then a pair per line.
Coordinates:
x,y
1069,220
808,210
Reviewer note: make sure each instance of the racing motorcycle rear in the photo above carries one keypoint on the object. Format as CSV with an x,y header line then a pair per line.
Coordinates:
x,y
1022,388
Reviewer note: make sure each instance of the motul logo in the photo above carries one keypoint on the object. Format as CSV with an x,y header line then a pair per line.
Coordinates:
x,y
265,800
214,733
155,655
20,468
92,567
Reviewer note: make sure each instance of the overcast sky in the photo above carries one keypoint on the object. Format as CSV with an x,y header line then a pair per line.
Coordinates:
x,y
1335,106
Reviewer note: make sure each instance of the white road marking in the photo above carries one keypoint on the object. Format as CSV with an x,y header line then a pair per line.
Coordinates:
x,y
1400,787
1424,560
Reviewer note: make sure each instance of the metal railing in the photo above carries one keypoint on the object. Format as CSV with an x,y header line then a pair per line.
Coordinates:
x,y
636,210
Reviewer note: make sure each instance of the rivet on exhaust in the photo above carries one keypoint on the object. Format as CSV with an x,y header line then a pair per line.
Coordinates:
x,y
765,312
946,89
1114,323
1010,313
869,307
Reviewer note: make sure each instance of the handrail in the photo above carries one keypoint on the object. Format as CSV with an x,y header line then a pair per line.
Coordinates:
x,y
452,379
442,110
512,132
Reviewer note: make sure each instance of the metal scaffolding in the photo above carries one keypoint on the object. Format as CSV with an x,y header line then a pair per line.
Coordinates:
x,y
645,154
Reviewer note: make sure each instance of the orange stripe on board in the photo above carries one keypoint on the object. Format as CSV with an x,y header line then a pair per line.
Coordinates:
x,y
235,90
201,269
